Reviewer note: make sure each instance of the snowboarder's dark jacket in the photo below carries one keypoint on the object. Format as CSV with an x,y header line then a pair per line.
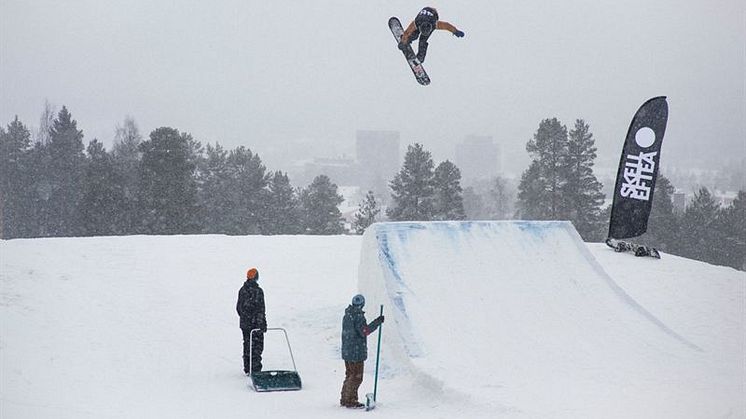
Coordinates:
x,y
355,331
250,306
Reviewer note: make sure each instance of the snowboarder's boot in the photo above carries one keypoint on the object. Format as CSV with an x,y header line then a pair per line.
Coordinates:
x,y
408,53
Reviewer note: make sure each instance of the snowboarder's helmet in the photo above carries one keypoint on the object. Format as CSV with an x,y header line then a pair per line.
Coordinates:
x,y
426,20
252,274
358,300
430,11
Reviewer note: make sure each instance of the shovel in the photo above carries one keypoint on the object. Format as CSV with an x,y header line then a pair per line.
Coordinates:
x,y
370,398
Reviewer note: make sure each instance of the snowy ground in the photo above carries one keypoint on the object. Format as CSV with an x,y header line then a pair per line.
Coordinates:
x,y
145,327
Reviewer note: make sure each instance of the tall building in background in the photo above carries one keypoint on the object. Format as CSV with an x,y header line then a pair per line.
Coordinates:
x,y
478,158
377,158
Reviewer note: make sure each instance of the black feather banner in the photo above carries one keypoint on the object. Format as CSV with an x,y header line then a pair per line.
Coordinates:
x,y
638,170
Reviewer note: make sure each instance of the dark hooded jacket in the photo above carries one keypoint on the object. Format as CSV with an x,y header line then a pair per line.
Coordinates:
x,y
250,306
355,331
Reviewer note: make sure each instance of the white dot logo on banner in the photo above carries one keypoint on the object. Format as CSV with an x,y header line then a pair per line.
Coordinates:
x,y
645,137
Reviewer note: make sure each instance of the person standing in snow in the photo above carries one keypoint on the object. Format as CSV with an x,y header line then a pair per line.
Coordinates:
x,y
355,331
251,311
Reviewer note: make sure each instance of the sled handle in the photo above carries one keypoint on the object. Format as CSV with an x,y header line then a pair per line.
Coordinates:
x,y
251,344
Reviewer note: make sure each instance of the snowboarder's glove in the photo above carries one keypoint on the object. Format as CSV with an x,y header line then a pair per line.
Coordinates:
x,y
402,46
459,34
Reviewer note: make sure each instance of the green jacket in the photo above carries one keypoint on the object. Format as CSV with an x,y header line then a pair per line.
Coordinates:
x,y
355,331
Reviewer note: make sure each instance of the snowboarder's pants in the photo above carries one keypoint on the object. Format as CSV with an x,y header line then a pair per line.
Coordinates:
x,y
257,345
422,50
353,379
421,46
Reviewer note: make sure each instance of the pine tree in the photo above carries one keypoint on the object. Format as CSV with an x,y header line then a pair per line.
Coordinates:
x,y
531,192
448,202
732,227
127,140
16,193
215,194
663,224
63,176
283,212
167,190
541,189
39,160
605,217
367,214
698,228
46,122
101,203
412,188
38,166
248,191
581,190
320,202
126,157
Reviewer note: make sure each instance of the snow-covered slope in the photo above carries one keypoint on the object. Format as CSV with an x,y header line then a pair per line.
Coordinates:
x,y
519,316
145,327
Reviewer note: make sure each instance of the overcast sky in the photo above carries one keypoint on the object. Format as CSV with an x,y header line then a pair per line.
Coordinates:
x,y
268,74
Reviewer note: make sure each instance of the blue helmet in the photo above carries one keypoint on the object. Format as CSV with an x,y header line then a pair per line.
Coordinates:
x,y
358,300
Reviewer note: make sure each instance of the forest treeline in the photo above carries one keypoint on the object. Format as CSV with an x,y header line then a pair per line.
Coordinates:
x,y
55,185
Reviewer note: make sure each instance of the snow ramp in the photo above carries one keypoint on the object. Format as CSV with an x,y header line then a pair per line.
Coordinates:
x,y
509,312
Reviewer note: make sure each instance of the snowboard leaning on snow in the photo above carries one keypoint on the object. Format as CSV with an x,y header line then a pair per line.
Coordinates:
x,y
638,249
414,63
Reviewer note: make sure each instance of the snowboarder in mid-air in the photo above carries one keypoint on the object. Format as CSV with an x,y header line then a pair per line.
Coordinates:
x,y
422,27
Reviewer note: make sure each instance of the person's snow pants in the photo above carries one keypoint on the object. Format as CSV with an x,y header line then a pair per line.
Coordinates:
x,y
353,379
258,348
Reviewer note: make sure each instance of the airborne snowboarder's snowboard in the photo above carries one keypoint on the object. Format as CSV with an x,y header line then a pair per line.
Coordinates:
x,y
638,249
414,63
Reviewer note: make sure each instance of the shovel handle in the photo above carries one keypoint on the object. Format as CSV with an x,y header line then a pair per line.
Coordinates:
x,y
378,358
282,329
